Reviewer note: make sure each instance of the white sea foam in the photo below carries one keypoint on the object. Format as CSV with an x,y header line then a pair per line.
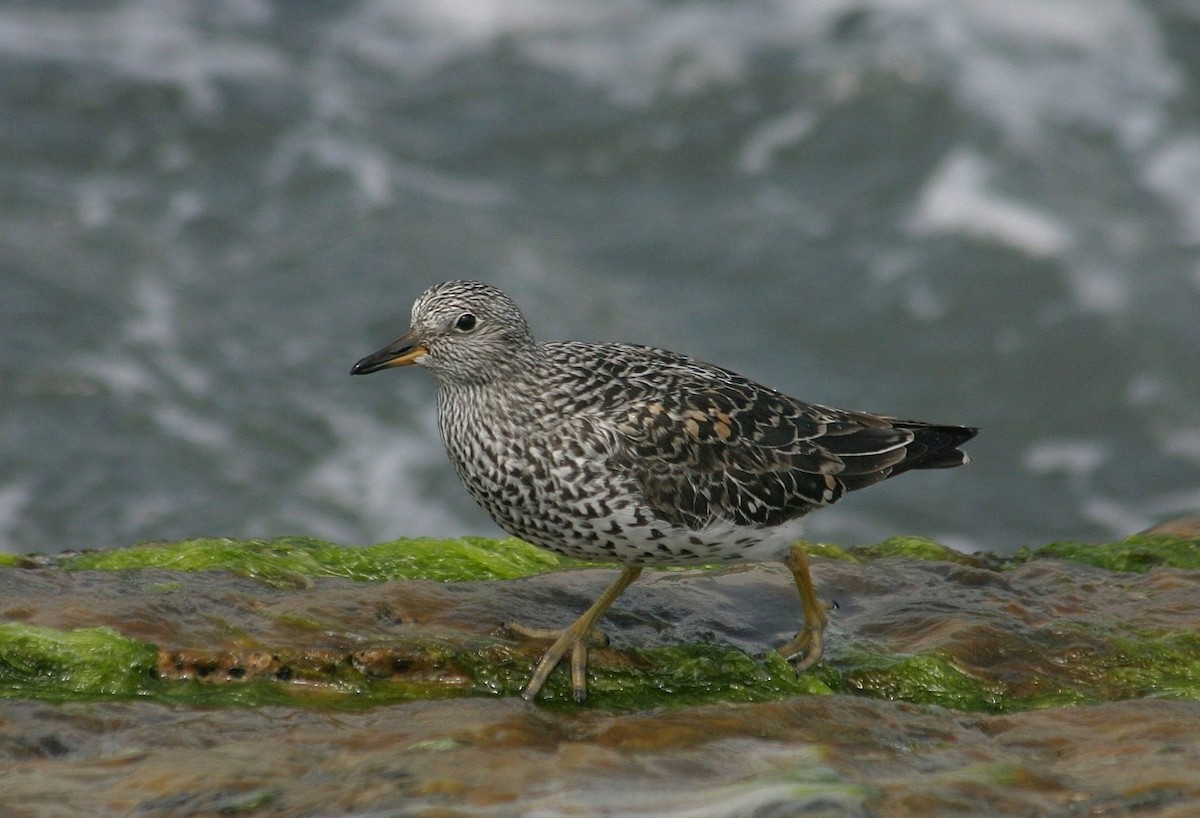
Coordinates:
x,y
924,303
1032,66
1027,64
1118,518
120,374
365,163
152,329
1173,171
184,424
14,497
147,364
1078,458
149,39
961,544
1182,443
782,132
374,474
1165,506
1098,289
1029,67
957,198
94,204
1022,62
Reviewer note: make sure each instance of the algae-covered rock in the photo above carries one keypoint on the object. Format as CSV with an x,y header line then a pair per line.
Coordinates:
x,y
420,619
64,665
941,690
289,559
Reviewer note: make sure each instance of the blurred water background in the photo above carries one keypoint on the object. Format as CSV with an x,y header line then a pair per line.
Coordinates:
x,y
970,211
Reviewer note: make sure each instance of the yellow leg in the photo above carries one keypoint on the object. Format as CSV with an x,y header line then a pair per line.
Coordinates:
x,y
575,639
805,650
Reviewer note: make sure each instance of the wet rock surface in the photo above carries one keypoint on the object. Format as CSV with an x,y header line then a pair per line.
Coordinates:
x,y
823,755
952,686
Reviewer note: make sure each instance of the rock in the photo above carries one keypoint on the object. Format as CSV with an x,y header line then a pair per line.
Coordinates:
x,y
276,684
1181,527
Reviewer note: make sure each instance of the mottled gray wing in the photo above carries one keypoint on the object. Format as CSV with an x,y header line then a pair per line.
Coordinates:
x,y
733,450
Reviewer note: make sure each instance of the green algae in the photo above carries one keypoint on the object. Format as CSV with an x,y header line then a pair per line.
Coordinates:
x,y
90,664
63,665
1131,666
295,560
919,678
1162,665
900,547
1113,668
1136,554
674,676
913,548
100,663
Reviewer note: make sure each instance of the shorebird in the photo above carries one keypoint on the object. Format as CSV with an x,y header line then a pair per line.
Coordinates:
x,y
638,456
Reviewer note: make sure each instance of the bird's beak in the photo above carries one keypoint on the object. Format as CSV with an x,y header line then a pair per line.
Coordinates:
x,y
401,352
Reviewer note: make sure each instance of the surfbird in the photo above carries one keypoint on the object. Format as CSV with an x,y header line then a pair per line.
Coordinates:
x,y
639,456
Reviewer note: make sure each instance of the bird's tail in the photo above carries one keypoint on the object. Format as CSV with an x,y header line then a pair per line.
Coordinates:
x,y
934,447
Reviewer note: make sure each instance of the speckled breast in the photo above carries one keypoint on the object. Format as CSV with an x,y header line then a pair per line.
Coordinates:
x,y
552,479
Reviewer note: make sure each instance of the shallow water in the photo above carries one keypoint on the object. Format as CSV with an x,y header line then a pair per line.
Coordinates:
x,y
828,756
975,212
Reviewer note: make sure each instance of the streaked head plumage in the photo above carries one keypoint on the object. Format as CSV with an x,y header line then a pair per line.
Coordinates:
x,y
462,331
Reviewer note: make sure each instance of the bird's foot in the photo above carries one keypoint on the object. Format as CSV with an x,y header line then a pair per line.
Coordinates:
x,y
805,650
562,641
596,637
574,639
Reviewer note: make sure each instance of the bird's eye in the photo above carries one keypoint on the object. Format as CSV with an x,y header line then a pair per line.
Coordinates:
x,y
465,322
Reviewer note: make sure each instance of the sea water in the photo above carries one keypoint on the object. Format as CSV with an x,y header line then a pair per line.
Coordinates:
x,y
983,212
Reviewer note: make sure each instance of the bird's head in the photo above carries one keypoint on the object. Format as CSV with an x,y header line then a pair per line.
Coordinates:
x,y
462,331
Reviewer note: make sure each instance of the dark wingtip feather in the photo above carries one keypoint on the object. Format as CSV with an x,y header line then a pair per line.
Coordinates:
x,y
936,447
